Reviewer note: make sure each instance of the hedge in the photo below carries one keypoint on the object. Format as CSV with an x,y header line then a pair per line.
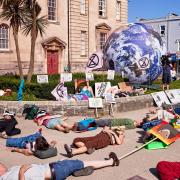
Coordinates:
x,y
43,91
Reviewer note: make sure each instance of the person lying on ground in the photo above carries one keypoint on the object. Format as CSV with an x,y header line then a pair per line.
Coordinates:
x,y
29,144
58,170
88,144
168,170
53,122
8,125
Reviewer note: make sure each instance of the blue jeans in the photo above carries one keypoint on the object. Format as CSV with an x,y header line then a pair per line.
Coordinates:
x,y
65,168
177,110
150,124
22,141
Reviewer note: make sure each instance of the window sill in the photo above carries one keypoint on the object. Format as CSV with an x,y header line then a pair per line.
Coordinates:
x,y
83,55
82,14
54,22
103,17
6,51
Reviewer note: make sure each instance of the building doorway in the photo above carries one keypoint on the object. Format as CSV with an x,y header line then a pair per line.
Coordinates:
x,y
52,62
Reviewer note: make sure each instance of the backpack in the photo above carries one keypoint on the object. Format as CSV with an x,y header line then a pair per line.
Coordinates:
x,y
88,124
30,110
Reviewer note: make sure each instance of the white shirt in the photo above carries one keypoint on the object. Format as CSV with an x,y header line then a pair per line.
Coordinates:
x,y
36,172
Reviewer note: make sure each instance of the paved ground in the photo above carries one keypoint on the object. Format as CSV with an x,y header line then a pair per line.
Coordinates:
x,y
141,163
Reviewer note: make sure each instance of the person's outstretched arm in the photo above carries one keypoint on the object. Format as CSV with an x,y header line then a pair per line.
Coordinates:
x,y
26,152
22,170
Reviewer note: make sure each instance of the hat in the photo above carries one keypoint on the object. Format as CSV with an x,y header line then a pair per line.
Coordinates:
x,y
8,113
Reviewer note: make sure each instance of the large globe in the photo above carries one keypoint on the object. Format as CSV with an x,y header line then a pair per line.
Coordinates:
x,y
136,51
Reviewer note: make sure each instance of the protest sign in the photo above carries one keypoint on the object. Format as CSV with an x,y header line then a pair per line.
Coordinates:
x,y
160,98
109,97
101,88
110,75
95,103
42,79
165,132
60,92
89,76
173,95
66,77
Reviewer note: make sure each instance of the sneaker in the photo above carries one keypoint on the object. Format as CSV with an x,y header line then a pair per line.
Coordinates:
x,y
84,172
68,151
113,156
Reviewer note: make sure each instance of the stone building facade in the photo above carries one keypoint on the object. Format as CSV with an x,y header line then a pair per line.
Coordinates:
x,y
76,29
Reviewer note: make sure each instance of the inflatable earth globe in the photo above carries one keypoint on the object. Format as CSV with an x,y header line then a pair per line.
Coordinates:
x,y
136,52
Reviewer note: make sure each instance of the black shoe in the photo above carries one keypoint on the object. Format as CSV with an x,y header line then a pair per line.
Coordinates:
x,y
113,156
68,151
84,172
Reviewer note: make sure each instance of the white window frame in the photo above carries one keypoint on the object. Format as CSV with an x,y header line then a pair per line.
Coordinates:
x,y
118,10
83,43
102,8
83,7
54,9
102,40
161,30
6,38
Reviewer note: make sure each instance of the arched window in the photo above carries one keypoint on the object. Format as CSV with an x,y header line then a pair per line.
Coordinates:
x,y
4,36
52,10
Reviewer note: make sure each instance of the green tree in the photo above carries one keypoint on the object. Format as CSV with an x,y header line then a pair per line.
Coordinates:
x,y
12,11
33,25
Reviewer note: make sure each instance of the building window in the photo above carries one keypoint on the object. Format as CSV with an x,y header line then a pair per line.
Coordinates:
x,y
102,40
83,6
162,30
118,10
102,8
4,36
52,10
83,43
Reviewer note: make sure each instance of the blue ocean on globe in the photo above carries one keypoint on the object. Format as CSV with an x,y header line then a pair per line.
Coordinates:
x,y
136,51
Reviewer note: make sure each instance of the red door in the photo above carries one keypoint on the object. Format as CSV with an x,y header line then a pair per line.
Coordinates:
x,y
52,62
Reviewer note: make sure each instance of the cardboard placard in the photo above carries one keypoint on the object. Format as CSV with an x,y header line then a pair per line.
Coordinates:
x,y
110,75
66,77
89,76
160,98
101,88
109,97
173,95
60,92
165,132
42,79
95,103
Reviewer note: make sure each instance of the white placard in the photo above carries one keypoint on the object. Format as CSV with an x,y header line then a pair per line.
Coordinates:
x,y
66,77
89,76
173,95
101,88
111,74
95,103
42,79
60,92
160,98
109,97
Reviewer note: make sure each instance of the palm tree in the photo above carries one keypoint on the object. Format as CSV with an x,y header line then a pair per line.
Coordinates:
x,y
13,11
34,25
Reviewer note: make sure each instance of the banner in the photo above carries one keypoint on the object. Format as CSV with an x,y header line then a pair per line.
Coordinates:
x,y
101,88
110,75
160,98
60,92
42,79
95,103
165,132
89,76
95,61
173,95
66,77
20,91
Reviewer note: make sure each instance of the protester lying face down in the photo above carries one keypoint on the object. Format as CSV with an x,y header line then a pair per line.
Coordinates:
x,y
8,125
57,170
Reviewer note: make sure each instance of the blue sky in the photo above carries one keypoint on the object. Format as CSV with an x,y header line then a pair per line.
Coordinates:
x,y
152,8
